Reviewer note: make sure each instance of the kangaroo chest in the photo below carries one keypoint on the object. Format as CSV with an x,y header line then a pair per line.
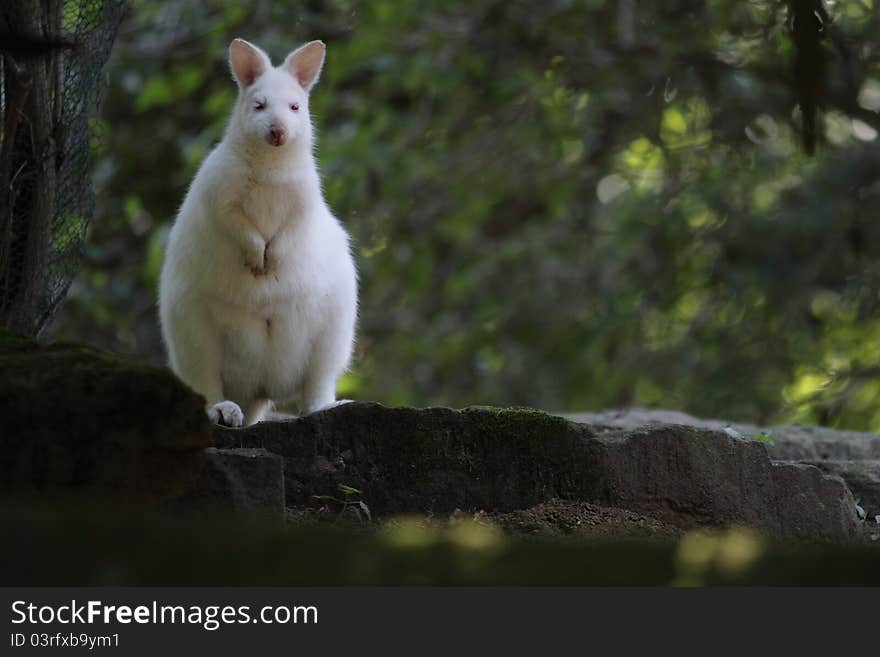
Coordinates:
x,y
271,206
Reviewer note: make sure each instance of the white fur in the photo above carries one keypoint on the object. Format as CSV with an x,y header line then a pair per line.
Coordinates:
x,y
258,293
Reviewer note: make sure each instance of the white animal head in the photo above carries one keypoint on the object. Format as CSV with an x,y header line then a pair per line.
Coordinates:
x,y
273,102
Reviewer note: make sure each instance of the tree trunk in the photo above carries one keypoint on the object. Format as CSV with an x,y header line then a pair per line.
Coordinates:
x,y
28,164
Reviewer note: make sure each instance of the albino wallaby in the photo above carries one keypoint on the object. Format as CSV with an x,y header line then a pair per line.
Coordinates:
x,y
258,293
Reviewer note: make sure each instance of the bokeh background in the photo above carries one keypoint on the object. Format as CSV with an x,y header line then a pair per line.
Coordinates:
x,y
568,204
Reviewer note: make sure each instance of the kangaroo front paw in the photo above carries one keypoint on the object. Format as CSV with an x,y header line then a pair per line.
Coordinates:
x,y
226,413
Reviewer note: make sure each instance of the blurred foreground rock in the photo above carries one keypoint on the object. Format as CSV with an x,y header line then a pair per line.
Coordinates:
x,y
91,545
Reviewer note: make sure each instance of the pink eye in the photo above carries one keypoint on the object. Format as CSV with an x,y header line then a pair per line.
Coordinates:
x,y
294,107
258,106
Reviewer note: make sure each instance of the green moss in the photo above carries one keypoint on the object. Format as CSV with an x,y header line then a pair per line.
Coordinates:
x,y
516,412
517,420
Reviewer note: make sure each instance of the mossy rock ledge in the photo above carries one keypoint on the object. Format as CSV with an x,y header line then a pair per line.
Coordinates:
x,y
438,460
79,419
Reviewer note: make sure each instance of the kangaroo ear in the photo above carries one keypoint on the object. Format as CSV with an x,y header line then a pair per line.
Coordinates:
x,y
305,63
247,62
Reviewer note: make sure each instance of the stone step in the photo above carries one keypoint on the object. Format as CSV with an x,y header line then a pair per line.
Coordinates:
x,y
436,460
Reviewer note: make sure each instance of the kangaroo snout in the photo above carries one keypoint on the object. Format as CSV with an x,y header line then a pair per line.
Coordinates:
x,y
277,135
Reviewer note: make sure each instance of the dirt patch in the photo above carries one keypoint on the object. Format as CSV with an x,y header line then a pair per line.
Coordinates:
x,y
554,519
559,518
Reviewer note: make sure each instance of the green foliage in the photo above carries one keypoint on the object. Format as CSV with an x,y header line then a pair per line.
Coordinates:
x,y
553,204
351,502
765,438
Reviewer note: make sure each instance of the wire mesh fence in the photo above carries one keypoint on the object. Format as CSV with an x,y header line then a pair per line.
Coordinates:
x,y
51,56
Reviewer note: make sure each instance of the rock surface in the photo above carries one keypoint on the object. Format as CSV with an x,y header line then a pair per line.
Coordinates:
x,y
863,479
791,442
247,482
852,455
76,417
437,460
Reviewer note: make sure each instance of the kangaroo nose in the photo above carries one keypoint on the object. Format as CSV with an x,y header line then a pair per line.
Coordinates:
x,y
277,135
